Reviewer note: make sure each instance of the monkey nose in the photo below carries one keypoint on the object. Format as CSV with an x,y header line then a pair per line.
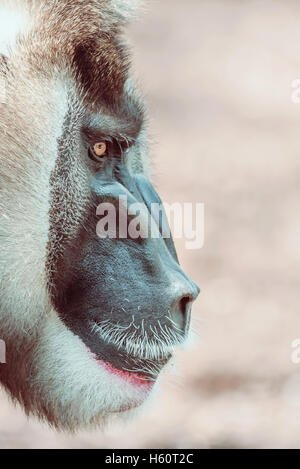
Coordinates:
x,y
183,299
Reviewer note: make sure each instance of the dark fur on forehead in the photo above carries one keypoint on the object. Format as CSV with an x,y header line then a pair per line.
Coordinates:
x,y
101,65
83,36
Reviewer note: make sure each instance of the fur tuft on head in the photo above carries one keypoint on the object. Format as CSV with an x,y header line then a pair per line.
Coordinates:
x,y
126,9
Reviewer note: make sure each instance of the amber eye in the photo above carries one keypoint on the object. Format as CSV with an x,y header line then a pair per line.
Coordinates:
x,y
100,149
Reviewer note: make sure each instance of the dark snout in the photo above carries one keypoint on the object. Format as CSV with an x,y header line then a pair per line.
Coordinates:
x,y
133,286
182,291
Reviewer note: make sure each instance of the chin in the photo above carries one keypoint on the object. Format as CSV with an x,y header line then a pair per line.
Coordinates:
x,y
86,390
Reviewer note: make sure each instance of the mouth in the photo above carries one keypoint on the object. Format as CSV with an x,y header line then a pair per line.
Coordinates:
x,y
139,372
128,359
132,360
142,380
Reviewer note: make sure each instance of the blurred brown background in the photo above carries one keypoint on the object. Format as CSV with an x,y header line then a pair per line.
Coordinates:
x,y
217,76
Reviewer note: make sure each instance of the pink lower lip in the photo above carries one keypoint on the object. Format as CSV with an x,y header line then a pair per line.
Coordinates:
x,y
135,379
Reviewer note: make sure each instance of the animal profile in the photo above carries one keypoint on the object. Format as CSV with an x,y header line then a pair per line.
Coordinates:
x,y
88,322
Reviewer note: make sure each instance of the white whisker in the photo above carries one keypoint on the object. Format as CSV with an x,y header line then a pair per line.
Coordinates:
x,y
154,344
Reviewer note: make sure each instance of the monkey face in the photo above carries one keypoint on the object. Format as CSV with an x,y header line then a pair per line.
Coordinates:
x,y
121,293
89,318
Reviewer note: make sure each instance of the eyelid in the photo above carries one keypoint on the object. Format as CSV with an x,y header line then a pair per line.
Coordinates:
x,y
93,136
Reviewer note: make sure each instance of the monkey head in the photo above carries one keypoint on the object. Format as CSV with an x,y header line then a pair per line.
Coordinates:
x,y
89,321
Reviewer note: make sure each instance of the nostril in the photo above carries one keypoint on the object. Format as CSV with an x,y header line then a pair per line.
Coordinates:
x,y
184,303
180,312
